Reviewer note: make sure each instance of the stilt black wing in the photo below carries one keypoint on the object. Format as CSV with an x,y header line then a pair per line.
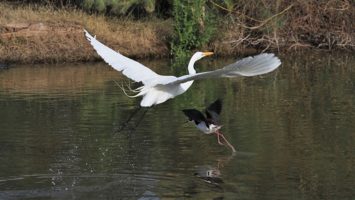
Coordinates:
x,y
194,115
214,110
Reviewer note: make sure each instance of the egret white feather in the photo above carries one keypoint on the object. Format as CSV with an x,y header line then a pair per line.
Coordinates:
x,y
130,68
157,88
250,66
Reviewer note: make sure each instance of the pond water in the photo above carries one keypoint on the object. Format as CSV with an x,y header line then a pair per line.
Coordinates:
x,y
62,134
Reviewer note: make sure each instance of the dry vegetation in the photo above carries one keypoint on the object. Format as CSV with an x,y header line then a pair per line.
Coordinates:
x,y
44,34
287,25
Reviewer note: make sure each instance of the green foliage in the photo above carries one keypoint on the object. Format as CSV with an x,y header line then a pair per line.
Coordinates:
x,y
149,5
193,26
116,7
100,5
229,5
123,6
87,4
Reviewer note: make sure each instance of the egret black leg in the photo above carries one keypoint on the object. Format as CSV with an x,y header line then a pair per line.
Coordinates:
x,y
140,120
125,123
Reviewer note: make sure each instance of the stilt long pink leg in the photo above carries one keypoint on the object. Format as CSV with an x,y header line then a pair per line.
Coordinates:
x,y
219,140
221,134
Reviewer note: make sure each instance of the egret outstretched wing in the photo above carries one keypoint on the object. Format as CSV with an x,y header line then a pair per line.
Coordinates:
x,y
130,68
250,66
157,88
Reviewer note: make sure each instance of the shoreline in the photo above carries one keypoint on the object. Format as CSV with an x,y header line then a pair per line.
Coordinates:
x,y
67,44
31,35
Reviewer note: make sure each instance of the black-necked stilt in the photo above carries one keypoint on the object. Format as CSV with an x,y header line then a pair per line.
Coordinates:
x,y
212,173
157,88
209,124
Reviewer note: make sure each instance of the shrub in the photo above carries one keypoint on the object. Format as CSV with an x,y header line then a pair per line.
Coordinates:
x,y
193,26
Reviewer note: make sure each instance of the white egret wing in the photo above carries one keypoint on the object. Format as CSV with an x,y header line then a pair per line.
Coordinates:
x,y
130,68
249,66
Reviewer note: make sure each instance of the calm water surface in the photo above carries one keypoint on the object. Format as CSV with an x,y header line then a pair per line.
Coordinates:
x,y
61,134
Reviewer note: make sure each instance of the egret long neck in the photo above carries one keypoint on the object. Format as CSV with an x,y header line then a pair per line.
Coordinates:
x,y
191,66
192,70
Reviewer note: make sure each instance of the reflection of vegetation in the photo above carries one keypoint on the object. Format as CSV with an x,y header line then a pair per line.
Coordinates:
x,y
298,122
68,79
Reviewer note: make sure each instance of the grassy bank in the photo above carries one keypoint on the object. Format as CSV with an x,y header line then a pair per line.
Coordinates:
x,y
44,34
30,33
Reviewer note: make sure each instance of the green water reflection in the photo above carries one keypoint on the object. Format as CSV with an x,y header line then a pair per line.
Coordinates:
x,y
293,129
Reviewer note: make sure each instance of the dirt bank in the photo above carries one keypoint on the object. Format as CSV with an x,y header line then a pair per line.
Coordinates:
x,y
39,42
44,34
30,34
50,42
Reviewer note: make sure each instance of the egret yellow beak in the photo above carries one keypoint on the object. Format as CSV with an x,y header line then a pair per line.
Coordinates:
x,y
207,53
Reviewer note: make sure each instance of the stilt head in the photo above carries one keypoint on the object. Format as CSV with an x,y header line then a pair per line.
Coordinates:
x,y
214,127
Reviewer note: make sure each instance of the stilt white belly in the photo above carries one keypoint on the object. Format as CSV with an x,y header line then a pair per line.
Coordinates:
x,y
207,130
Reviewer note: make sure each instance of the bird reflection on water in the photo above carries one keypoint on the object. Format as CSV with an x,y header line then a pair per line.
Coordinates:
x,y
212,174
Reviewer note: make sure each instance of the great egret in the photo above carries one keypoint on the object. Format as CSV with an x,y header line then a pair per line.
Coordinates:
x,y
157,88
208,124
